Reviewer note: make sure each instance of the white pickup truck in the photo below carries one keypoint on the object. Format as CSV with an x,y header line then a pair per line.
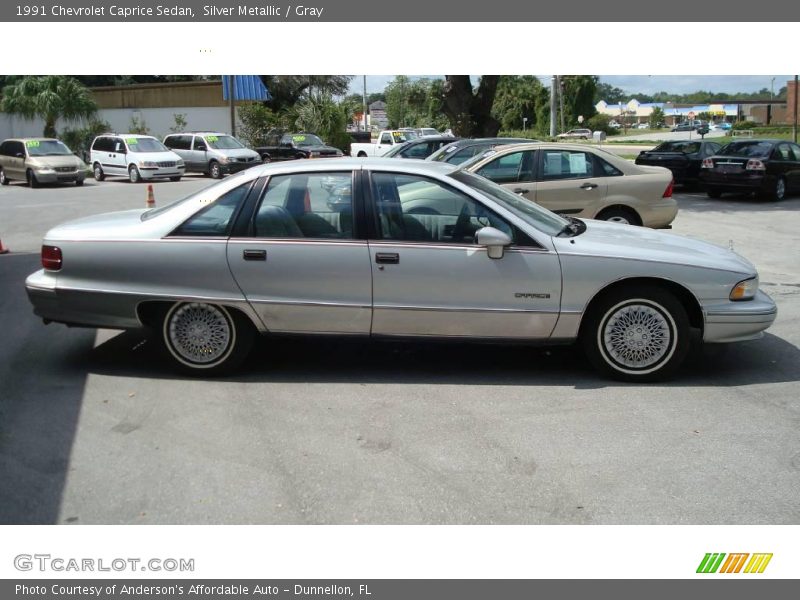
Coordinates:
x,y
387,140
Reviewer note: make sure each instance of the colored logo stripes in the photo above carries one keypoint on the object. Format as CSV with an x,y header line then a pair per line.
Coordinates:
x,y
713,562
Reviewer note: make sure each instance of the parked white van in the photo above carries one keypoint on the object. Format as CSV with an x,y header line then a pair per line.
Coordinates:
x,y
212,153
137,157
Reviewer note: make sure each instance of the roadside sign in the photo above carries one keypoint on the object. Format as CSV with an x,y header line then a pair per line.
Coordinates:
x,y
691,114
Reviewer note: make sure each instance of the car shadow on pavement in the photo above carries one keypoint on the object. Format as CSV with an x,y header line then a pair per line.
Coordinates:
x,y
41,392
347,360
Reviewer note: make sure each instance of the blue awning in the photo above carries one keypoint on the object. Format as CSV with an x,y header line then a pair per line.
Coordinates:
x,y
246,87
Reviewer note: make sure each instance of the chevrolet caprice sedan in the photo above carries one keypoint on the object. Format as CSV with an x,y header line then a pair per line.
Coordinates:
x,y
407,248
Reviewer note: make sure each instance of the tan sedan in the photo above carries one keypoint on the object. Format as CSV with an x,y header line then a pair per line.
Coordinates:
x,y
582,181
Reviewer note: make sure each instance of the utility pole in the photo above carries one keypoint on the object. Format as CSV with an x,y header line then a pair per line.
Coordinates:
x,y
365,103
561,102
553,84
231,103
794,128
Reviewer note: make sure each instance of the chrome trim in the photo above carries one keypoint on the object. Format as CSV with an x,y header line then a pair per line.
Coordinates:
x,y
462,309
63,288
445,246
307,303
294,241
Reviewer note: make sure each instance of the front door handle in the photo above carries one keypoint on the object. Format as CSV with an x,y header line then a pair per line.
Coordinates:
x,y
521,191
387,258
589,186
254,254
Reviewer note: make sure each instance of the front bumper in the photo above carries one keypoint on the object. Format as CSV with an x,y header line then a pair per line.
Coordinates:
x,y
161,172
60,176
738,321
234,167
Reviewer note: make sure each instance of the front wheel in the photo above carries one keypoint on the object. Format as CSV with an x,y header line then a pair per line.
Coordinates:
x,y
206,339
3,179
215,170
31,177
637,334
134,175
98,172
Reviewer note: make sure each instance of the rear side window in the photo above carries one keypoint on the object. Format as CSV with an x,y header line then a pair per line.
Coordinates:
x,y
215,220
101,144
5,149
605,168
178,142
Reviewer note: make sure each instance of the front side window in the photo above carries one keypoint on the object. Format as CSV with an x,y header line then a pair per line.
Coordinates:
x,y
416,209
509,168
565,164
306,205
216,219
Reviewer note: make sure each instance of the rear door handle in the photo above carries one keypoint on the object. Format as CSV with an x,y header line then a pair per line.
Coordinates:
x,y
521,191
387,258
254,254
588,186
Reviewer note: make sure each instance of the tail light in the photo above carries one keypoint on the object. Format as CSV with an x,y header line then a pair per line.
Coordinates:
x,y
755,165
708,163
668,191
51,258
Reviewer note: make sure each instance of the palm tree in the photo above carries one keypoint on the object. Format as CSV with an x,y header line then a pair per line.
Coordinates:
x,y
49,97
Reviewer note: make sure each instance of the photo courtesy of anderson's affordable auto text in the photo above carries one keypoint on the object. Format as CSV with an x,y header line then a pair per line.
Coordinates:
x,y
265,264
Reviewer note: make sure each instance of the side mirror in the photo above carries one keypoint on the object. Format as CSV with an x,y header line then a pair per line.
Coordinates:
x,y
20,155
201,148
494,240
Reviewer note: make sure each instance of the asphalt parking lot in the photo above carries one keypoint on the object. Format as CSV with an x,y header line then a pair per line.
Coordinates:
x,y
95,428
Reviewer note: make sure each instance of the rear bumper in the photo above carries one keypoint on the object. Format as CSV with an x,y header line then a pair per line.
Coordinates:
x,y
739,321
659,214
740,182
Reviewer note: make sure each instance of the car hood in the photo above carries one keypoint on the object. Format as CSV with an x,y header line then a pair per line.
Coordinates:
x,y
125,224
602,238
239,153
67,160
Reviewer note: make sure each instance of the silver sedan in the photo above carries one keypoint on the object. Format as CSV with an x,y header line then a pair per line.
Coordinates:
x,y
393,248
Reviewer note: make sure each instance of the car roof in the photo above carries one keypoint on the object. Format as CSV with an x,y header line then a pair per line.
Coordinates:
x,y
420,167
126,135
431,138
31,139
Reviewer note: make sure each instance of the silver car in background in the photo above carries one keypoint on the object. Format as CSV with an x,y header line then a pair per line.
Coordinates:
x,y
212,153
409,249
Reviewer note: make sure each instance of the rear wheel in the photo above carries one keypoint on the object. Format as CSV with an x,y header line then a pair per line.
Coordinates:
x,y
134,175
637,333
178,178
99,175
778,190
266,159
715,193
31,177
3,179
206,339
619,214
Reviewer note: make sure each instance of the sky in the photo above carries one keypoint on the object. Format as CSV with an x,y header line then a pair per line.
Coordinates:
x,y
645,84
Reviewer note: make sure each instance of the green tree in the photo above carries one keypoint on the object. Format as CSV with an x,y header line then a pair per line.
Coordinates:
x,y
470,111
517,98
579,94
50,97
320,114
609,93
657,118
288,90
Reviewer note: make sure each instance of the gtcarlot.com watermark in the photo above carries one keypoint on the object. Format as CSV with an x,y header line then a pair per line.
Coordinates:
x,y
48,563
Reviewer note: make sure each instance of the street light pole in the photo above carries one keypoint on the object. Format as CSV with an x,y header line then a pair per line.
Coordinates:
x,y
365,103
794,128
553,84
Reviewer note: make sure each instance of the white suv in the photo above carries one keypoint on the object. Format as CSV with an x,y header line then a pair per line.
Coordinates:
x,y
138,157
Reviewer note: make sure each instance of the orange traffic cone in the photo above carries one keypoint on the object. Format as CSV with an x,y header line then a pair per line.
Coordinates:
x,y
151,199
3,249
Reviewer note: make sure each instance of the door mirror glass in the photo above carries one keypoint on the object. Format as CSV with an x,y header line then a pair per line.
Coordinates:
x,y
200,146
494,240
20,155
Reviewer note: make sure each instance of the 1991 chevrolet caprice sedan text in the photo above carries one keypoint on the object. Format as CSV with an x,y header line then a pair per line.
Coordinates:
x,y
392,248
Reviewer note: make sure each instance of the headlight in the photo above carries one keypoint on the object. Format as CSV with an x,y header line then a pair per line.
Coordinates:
x,y
744,290
147,163
45,169
223,160
180,164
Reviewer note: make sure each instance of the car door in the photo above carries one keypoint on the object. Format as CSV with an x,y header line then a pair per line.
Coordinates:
x,y
384,144
514,171
567,183
117,158
302,263
16,161
430,278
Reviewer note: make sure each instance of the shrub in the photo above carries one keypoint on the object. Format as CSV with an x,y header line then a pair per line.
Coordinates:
x,y
80,140
744,125
601,123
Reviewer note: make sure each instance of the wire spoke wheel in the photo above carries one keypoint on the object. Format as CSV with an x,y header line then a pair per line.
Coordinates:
x,y
200,334
637,336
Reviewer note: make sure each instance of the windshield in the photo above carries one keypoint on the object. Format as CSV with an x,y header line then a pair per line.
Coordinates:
x,y
404,135
145,145
754,148
47,148
397,149
223,142
683,147
307,139
541,218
